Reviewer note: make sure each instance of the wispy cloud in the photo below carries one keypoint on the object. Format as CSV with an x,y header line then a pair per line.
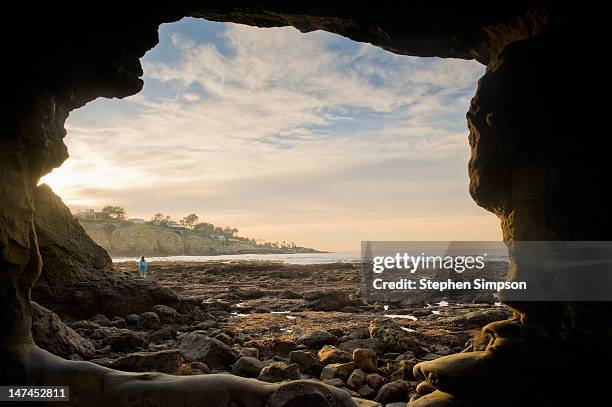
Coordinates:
x,y
271,128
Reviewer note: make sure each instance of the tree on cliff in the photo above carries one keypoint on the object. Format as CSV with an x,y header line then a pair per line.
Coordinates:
x,y
190,220
204,228
113,212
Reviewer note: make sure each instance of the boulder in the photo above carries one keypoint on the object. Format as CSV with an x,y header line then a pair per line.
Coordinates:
x,y
309,363
392,337
341,370
376,381
396,391
316,339
365,359
51,334
247,367
165,361
336,382
124,340
201,348
166,314
163,334
366,391
278,372
330,354
225,338
149,321
326,300
356,380
250,352
371,343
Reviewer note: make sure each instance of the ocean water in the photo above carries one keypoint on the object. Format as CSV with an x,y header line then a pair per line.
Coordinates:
x,y
297,258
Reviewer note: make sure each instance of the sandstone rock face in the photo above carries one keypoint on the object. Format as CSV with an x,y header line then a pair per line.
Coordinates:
x,y
50,333
127,239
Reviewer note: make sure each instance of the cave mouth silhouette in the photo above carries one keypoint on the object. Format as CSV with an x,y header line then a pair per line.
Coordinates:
x,y
530,169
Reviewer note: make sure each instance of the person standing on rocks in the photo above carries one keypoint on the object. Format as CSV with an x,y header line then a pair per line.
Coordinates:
x,y
142,267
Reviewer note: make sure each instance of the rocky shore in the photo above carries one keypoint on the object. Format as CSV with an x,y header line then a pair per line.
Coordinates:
x,y
273,322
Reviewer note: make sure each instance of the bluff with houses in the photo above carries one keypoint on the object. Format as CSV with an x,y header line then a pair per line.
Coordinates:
x,y
163,236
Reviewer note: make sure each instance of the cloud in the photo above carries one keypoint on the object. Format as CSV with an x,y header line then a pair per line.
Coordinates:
x,y
270,127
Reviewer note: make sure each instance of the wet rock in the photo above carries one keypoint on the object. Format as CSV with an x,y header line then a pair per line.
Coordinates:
x,y
277,346
132,319
197,347
350,345
125,340
101,320
430,356
336,332
51,334
477,319
317,339
396,391
336,382
440,349
376,381
166,314
247,367
406,366
163,334
250,352
207,324
359,402
216,305
241,338
308,393
166,361
118,322
309,364
330,354
341,370
225,338
366,391
156,347
278,372
289,294
326,300
202,367
149,321
392,337
356,380
365,359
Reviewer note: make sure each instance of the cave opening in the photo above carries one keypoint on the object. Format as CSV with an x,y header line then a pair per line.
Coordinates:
x,y
288,136
530,171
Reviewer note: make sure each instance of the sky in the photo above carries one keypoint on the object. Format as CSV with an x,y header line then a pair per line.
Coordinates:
x,y
311,138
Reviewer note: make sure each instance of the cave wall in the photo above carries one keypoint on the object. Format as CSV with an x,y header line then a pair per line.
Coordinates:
x,y
62,57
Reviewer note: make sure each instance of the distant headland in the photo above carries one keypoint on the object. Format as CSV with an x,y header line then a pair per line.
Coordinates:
x,y
164,236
